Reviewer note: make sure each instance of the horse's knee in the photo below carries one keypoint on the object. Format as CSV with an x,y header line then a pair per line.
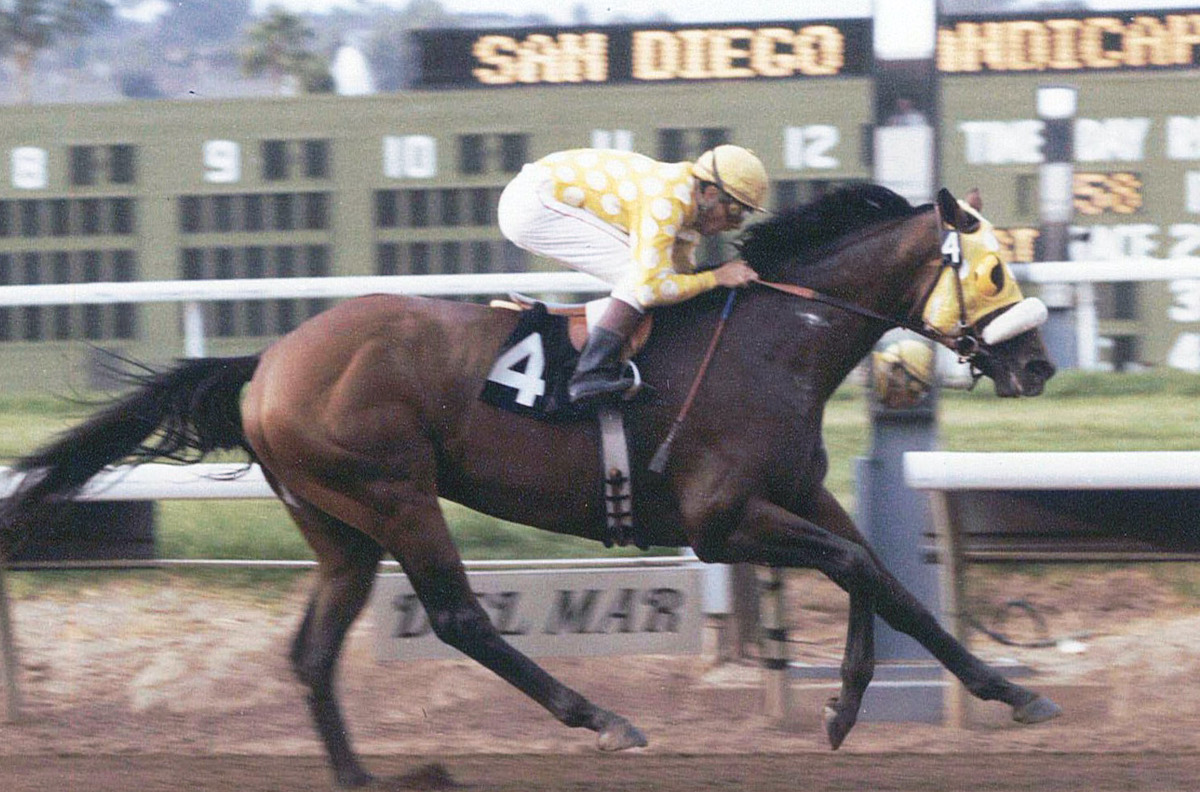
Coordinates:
x,y
460,626
311,671
858,672
855,570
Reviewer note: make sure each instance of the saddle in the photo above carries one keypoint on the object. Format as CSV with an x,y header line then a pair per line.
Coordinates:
x,y
578,317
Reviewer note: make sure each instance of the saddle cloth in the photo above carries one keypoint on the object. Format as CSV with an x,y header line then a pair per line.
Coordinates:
x,y
533,367
535,363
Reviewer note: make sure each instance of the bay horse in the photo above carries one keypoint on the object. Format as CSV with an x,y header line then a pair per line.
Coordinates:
x,y
366,414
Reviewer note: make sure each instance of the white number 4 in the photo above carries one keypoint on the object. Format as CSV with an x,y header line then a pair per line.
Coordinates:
x,y
529,383
951,252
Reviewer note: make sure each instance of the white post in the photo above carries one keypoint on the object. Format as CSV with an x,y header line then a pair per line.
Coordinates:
x,y
776,685
1086,326
9,666
193,329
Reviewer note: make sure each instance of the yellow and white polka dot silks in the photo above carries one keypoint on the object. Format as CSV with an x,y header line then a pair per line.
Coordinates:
x,y
650,201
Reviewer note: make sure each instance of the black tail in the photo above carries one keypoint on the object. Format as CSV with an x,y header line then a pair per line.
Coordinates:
x,y
182,413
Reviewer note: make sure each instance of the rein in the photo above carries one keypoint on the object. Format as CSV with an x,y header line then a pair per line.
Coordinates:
x,y
658,463
965,344
803,292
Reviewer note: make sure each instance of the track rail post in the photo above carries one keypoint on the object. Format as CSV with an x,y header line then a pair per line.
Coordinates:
x,y
776,686
9,666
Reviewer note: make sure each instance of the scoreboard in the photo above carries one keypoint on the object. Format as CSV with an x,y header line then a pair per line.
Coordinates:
x,y
1136,151
408,182
386,184
608,55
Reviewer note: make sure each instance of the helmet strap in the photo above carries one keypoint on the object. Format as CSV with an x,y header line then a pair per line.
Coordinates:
x,y
717,173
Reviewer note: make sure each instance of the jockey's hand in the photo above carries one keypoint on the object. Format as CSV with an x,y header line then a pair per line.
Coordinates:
x,y
735,274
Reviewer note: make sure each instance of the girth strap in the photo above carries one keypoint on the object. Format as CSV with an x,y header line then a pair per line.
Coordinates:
x,y
618,487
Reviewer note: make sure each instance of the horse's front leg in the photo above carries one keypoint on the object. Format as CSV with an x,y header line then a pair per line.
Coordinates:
x,y
858,667
904,612
809,546
769,534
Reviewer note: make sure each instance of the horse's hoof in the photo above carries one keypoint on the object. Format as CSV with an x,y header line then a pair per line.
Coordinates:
x,y
430,777
838,723
1037,711
619,734
354,779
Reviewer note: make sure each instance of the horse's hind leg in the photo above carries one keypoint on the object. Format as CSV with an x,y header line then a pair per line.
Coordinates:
x,y
347,564
418,537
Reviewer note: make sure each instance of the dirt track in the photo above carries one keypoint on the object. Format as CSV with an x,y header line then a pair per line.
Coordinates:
x,y
760,773
141,685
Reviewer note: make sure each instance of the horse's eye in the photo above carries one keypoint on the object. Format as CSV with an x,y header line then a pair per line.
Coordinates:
x,y
990,278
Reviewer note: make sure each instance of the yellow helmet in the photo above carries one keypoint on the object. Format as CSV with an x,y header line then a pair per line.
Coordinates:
x,y
737,171
903,373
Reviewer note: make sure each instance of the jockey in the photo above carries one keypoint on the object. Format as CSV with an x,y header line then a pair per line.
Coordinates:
x,y
634,222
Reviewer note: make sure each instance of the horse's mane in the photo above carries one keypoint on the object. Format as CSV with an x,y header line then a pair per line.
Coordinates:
x,y
796,233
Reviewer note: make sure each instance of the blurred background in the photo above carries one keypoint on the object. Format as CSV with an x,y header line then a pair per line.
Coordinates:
x,y
229,139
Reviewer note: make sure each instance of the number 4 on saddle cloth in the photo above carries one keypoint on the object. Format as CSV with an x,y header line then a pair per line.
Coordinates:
x,y
535,363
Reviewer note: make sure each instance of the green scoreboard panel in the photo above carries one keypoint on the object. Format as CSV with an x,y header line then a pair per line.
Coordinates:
x,y
387,184
1136,152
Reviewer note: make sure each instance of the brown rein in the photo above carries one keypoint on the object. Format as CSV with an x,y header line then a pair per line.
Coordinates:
x,y
811,294
965,345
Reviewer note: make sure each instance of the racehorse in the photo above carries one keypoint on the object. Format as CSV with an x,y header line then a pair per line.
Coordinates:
x,y
366,414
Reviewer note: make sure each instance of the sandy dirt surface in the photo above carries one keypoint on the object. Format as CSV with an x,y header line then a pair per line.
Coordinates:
x,y
168,683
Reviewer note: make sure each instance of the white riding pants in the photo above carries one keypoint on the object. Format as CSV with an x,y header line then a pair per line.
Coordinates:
x,y
532,219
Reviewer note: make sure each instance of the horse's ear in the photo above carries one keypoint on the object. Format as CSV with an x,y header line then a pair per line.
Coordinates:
x,y
975,200
948,206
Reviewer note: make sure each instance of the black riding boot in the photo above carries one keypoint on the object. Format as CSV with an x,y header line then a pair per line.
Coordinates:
x,y
600,371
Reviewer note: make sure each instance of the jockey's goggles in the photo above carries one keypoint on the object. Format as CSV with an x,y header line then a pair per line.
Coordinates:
x,y
733,207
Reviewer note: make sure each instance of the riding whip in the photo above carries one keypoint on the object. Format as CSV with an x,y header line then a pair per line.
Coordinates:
x,y
658,462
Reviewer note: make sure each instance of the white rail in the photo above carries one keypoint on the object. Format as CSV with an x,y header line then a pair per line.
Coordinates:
x,y
194,292
1064,470
295,288
202,481
235,481
1077,276
1132,269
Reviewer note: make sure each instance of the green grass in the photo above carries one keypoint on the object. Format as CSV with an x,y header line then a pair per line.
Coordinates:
x,y
1152,411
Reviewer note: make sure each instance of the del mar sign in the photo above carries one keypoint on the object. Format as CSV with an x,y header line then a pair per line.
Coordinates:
x,y
562,612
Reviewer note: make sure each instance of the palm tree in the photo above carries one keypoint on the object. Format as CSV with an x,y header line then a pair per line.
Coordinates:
x,y
281,45
29,26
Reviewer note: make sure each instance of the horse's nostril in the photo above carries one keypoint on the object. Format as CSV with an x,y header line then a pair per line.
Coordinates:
x,y
1041,369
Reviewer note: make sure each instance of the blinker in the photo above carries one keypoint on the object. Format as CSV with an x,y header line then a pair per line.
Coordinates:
x,y
969,289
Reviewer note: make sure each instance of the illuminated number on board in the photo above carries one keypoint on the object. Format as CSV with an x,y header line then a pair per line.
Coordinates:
x,y
29,171
810,147
1185,352
222,161
619,139
409,157
1186,301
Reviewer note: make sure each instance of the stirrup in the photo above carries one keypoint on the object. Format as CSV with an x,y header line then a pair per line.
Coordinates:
x,y
615,389
631,393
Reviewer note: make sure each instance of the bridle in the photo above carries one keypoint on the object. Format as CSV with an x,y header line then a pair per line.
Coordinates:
x,y
963,340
